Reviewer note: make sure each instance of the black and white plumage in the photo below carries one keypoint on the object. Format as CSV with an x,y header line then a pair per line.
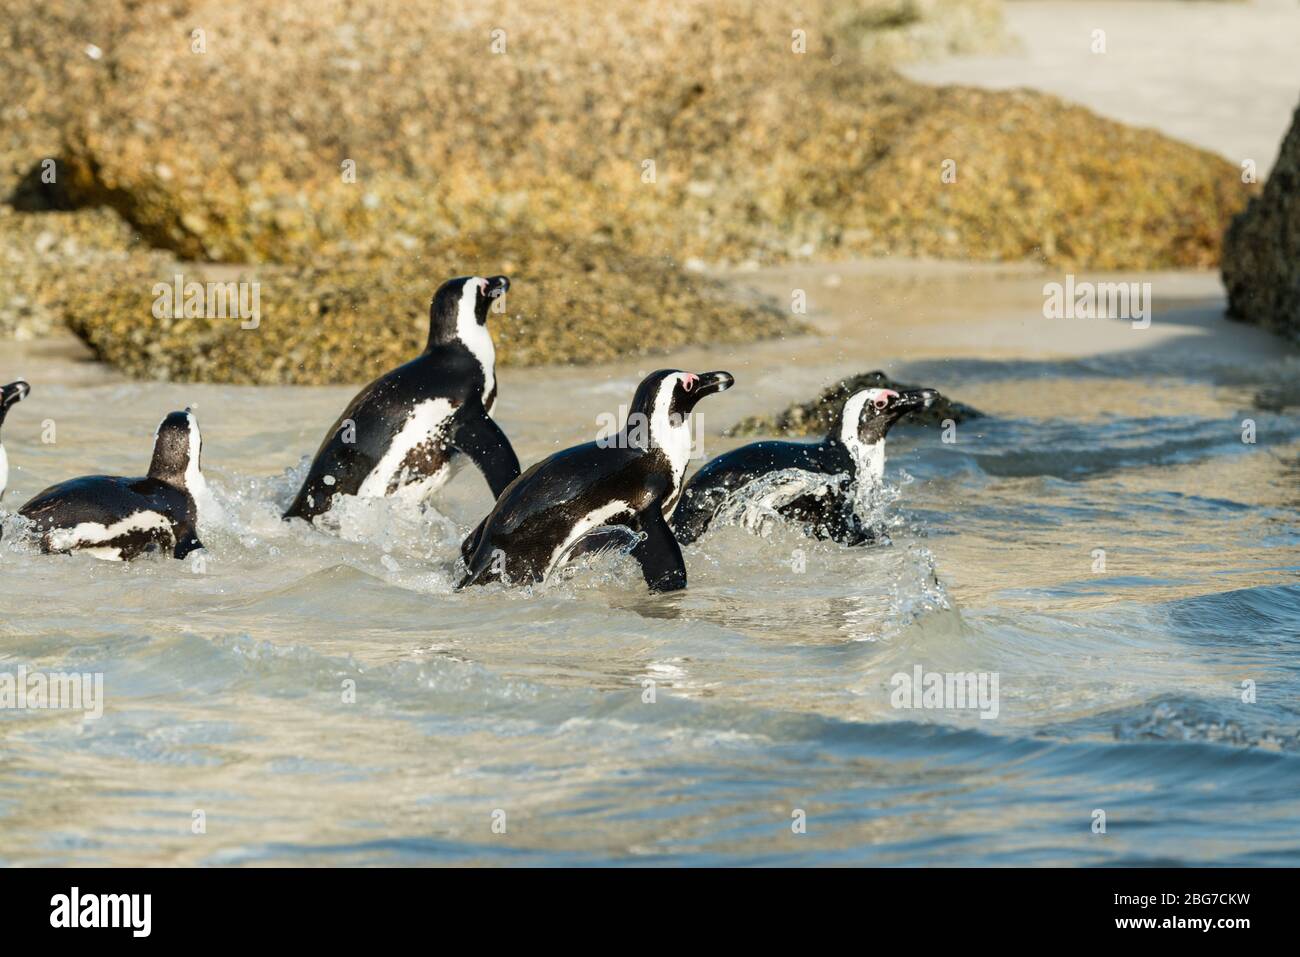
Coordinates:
x,y
853,453
10,395
402,434
630,479
117,518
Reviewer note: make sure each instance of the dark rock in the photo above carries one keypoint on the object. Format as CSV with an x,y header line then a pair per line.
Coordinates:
x,y
1261,251
814,417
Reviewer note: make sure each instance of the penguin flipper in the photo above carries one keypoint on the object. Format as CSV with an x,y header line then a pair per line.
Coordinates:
x,y
483,441
312,499
470,577
850,530
483,565
836,521
693,516
603,538
186,541
470,545
658,553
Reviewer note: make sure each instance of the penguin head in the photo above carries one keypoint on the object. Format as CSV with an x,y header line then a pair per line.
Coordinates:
x,y
671,392
663,401
177,450
869,414
11,395
459,310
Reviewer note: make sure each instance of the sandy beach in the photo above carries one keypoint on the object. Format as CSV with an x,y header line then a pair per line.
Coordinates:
x,y
1222,76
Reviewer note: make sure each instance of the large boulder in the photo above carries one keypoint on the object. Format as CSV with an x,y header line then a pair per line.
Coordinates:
x,y
687,128
1261,252
331,146
50,62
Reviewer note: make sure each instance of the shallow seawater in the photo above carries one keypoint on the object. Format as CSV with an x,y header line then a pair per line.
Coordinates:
x,y
327,699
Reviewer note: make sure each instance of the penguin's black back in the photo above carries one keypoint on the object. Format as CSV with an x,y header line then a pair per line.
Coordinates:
x,y
104,500
717,479
376,414
536,512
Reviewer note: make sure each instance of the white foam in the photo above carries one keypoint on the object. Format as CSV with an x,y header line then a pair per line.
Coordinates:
x,y
756,505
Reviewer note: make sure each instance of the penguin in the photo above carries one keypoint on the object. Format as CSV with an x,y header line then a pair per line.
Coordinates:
x,y
402,434
852,453
117,518
10,395
628,479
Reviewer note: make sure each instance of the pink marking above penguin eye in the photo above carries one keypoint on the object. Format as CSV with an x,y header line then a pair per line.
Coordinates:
x,y
882,397
688,383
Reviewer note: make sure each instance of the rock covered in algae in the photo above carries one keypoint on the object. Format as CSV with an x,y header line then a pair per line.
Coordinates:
x,y
332,147
45,256
721,130
1261,253
814,417
568,302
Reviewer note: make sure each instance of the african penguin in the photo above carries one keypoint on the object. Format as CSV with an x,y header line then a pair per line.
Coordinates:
x,y
401,434
853,450
116,518
10,395
629,479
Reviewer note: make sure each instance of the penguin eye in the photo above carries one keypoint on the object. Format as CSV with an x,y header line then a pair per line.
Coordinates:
x,y
881,398
688,381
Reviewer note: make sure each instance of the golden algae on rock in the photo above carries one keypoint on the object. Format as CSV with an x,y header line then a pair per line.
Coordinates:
x,y
343,140
45,255
726,131
569,302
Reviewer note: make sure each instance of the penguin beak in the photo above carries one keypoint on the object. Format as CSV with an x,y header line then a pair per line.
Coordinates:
x,y
497,286
710,382
915,399
13,392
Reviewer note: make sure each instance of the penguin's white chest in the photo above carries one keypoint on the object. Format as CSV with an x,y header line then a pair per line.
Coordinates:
x,y
870,477
4,469
870,462
422,437
476,338
207,511
479,342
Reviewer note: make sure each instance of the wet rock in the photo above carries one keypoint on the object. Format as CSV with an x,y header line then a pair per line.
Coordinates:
x,y
814,417
1261,252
